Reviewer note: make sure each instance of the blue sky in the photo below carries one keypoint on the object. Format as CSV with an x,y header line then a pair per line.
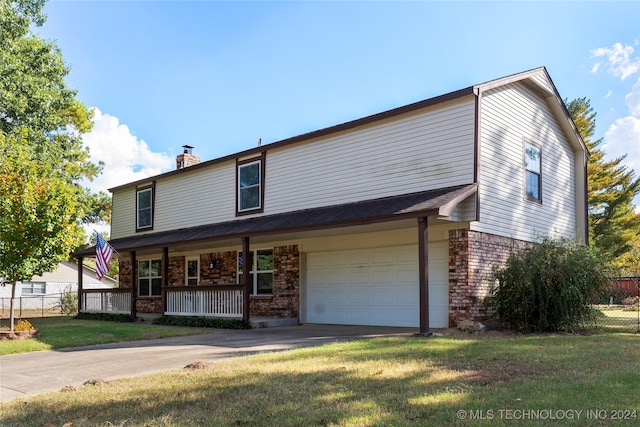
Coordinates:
x,y
221,75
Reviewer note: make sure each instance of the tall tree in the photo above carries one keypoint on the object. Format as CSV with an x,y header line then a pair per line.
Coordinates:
x,y
614,226
42,158
38,214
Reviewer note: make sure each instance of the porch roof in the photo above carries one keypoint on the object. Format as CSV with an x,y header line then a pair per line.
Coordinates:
x,y
440,202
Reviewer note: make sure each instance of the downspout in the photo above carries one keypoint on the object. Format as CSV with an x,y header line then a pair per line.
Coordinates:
x,y
476,148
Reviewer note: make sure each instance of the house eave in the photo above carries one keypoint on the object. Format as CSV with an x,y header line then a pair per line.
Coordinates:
x,y
395,208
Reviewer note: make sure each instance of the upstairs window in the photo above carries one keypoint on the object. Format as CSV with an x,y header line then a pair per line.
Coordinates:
x,y
192,271
533,171
250,178
144,208
149,278
261,270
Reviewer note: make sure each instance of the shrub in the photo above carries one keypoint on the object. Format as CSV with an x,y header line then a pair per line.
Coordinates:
x,y
23,326
109,317
68,302
550,287
202,322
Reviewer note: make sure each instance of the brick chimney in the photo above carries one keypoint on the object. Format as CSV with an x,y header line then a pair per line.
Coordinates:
x,y
186,159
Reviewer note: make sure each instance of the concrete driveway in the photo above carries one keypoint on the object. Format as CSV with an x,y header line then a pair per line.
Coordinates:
x,y
26,374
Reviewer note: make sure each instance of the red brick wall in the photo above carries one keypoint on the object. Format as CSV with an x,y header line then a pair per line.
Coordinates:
x,y
124,273
223,271
177,266
473,259
285,301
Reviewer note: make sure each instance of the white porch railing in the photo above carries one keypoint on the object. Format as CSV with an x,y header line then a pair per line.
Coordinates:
x,y
218,301
106,301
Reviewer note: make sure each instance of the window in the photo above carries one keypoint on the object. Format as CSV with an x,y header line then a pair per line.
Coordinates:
x,y
149,277
144,208
192,271
533,171
261,271
250,178
34,288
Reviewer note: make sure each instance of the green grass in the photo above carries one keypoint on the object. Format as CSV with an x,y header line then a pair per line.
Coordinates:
x,y
612,319
64,332
394,381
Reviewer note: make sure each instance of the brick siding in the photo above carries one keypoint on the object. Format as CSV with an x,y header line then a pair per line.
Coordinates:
x,y
473,259
284,303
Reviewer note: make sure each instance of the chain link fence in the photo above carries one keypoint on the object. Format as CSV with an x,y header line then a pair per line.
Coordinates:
x,y
32,306
621,313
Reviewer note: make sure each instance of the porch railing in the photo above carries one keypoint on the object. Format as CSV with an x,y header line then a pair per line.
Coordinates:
x,y
218,301
117,300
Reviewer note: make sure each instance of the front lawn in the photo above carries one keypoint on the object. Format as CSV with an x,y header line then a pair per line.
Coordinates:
x,y
490,379
64,332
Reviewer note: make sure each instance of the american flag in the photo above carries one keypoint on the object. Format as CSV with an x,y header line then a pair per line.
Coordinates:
x,y
104,252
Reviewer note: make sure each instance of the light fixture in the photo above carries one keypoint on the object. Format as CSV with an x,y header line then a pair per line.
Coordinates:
x,y
212,264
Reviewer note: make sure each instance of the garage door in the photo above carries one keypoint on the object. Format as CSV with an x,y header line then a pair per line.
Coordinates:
x,y
376,287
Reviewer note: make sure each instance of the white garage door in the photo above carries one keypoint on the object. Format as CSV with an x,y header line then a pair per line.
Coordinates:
x,y
375,286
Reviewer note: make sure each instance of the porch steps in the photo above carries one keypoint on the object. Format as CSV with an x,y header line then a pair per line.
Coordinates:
x,y
264,322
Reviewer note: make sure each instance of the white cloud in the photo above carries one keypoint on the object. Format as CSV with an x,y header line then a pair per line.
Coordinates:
x,y
633,99
126,158
623,136
620,60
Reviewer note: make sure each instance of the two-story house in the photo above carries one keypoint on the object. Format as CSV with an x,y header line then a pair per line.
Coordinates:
x,y
398,218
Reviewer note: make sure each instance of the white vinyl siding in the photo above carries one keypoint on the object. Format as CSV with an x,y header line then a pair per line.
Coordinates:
x,y
428,150
123,212
509,114
204,196
424,150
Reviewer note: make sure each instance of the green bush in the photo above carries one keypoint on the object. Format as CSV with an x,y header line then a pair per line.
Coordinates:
x,y
68,302
109,317
202,322
550,287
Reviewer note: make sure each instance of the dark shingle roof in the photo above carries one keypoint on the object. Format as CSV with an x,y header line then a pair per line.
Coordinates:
x,y
414,205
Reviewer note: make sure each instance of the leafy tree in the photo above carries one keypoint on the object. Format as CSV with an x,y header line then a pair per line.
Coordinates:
x,y
613,223
42,158
38,212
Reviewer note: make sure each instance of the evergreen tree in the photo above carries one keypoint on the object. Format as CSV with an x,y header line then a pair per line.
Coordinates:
x,y
614,226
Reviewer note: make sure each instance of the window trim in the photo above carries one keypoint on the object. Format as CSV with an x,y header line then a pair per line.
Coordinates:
x,y
150,260
525,142
243,163
186,270
30,288
152,189
254,273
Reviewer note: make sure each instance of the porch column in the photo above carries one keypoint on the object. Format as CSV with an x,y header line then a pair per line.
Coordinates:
x,y
247,262
80,268
165,279
423,266
134,283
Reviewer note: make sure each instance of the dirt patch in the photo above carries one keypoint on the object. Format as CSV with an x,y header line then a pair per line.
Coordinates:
x,y
96,381
200,365
497,371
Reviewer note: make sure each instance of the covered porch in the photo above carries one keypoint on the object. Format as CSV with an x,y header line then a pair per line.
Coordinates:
x,y
223,298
